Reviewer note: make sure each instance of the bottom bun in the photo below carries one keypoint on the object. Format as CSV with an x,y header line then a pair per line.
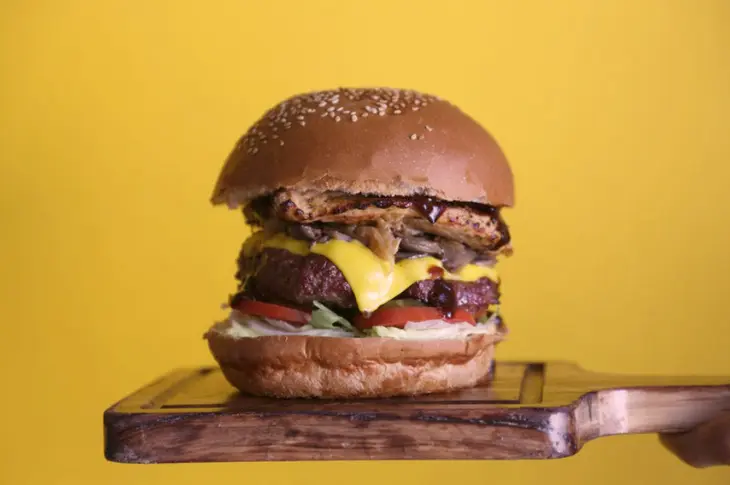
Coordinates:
x,y
331,367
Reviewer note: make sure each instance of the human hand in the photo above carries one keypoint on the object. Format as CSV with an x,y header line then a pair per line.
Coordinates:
x,y
706,445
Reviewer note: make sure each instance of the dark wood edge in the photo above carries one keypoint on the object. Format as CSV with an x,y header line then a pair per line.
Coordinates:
x,y
533,433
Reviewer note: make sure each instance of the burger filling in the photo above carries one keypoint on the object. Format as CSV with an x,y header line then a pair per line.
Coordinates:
x,y
337,265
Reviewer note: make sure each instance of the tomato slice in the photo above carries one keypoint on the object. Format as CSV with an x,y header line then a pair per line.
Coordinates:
x,y
271,310
398,317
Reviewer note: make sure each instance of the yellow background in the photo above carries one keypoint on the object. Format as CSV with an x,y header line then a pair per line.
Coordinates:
x,y
115,118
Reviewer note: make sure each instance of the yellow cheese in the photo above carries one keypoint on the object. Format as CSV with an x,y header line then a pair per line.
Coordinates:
x,y
281,241
373,281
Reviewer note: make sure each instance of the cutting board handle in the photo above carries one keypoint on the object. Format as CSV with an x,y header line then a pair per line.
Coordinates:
x,y
648,410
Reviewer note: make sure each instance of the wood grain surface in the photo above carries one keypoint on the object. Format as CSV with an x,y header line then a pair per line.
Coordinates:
x,y
529,411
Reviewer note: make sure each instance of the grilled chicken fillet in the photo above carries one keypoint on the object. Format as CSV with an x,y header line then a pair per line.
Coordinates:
x,y
478,226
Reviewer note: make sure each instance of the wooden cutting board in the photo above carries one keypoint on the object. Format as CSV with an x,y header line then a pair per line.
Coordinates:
x,y
530,411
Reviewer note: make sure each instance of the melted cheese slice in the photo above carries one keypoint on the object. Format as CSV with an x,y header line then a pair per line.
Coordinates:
x,y
373,281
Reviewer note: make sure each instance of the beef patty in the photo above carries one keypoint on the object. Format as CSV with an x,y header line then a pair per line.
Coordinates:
x,y
278,276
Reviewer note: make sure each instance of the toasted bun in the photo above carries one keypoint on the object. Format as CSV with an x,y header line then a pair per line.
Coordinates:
x,y
373,141
326,367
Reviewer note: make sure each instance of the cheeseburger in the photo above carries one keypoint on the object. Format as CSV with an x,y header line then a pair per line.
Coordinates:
x,y
370,270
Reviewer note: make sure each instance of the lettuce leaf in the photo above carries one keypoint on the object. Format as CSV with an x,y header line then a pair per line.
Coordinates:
x,y
323,317
490,316
452,331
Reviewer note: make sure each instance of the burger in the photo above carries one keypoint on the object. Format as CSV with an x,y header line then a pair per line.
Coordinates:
x,y
370,269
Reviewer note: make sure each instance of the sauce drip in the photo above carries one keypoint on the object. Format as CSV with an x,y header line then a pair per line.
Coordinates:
x,y
443,297
429,208
435,272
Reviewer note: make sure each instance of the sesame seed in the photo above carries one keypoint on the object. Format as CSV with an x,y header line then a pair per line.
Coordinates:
x,y
413,136
356,104
281,142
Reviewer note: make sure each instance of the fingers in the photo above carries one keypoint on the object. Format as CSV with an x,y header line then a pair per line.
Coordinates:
x,y
705,445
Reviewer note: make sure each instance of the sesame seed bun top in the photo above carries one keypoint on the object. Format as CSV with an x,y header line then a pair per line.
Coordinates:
x,y
373,141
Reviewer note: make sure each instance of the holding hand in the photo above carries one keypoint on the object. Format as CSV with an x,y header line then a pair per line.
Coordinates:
x,y
706,445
